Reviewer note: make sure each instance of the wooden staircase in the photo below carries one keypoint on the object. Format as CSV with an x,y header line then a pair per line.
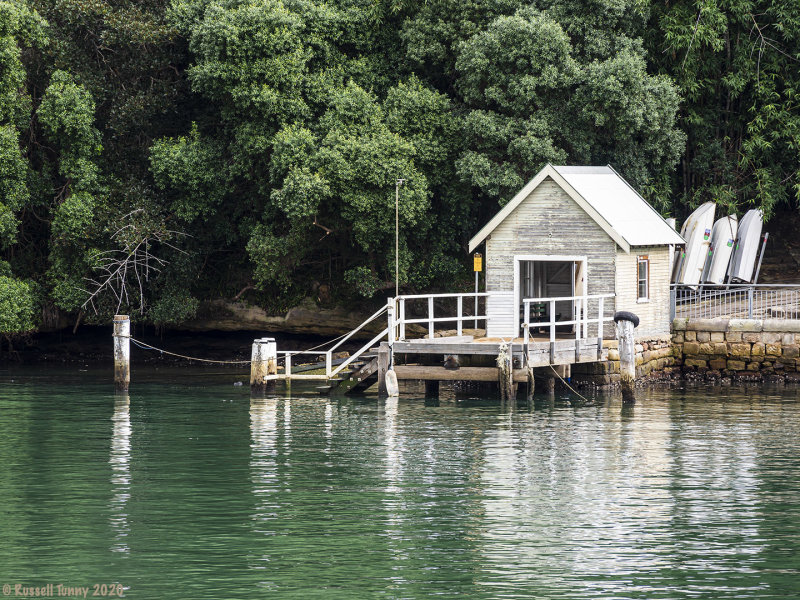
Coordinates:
x,y
362,375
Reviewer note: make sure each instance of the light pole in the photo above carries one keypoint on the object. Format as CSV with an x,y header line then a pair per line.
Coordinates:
x,y
397,185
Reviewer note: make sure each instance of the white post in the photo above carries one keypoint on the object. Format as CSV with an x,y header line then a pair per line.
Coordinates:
x,y
460,311
392,322
263,362
328,363
552,321
627,354
122,352
527,325
476,299
402,316
287,370
578,319
430,317
600,317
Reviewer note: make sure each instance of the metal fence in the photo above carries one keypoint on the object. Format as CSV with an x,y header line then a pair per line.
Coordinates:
x,y
735,301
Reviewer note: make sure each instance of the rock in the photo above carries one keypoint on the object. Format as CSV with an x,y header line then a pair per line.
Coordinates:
x,y
739,349
308,319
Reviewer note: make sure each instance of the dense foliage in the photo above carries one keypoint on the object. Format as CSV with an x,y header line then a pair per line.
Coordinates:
x,y
154,154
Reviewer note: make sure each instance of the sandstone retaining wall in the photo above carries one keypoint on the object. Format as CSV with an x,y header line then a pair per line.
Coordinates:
x,y
738,348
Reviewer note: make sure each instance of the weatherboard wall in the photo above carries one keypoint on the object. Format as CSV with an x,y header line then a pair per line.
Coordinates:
x,y
549,222
654,312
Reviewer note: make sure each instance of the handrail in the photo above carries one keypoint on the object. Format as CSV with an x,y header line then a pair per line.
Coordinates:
x,y
358,353
581,306
565,298
374,316
464,295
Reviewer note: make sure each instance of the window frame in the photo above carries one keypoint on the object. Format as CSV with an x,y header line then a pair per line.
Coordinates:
x,y
643,259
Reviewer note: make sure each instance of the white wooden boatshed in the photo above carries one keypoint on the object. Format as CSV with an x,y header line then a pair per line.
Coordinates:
x,y
577,233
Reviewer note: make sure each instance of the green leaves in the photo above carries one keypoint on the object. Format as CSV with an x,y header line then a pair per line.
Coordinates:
x,y
66,114
17,306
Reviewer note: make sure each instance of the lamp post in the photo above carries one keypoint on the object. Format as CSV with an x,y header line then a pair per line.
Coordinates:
x,y
397,185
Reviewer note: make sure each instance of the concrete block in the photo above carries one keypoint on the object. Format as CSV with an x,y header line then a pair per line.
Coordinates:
x,y
782,325
707,325
733,336
751,337
677,338
691,348
690,336
736,365
758,349
752,325
703,336
739,350
791,351
720,348
717,336
787,339
772,349
771,337
753,366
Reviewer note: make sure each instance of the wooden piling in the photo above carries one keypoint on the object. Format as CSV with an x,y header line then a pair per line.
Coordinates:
x,y
263,362
432,389
383,366
122,352
625,324
505,374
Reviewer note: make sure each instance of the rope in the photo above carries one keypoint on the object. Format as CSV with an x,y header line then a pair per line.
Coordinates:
x,y
206,360
572,389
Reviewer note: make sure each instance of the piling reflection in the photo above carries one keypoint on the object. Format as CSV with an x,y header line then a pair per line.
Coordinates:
x,y
120,461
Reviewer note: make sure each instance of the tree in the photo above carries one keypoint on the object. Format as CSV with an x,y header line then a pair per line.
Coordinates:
x,y
737,66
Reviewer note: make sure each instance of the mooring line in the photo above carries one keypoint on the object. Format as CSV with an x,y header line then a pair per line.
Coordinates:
x,y
584,398
145,346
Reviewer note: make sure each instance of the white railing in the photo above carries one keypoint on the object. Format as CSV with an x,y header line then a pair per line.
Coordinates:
x,y
581,315
328,354
398,319
741,301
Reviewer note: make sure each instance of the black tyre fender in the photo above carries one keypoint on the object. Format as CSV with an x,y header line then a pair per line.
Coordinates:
x,y
624,315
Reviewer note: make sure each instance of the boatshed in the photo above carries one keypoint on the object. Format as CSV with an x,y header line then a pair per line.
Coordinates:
x,y
575,234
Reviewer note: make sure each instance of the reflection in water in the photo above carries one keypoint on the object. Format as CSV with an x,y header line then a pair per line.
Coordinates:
x,y
120,460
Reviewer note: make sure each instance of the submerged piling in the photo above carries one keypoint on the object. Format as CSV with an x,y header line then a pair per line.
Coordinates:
x,y
122,352
625,322
263,362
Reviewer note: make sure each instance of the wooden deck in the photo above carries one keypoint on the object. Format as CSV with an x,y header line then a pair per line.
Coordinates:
x,y
541,352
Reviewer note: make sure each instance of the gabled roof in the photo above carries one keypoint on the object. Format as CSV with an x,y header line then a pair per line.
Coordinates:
x,y
614,205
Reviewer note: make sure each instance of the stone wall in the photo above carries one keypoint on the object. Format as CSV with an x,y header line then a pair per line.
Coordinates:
x,y
654,360
737,348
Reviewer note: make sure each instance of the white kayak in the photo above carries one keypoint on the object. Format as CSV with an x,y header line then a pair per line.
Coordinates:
x,y
746,250
697,233
723,238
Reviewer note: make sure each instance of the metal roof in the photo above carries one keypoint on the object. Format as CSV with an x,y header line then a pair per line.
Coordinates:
x,y
619,210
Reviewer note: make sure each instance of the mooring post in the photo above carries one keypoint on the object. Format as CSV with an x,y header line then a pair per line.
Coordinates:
x,y
383,366
505,373
625,323
122,352
263,362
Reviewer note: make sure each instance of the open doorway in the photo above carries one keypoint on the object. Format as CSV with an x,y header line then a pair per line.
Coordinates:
x,y
548,277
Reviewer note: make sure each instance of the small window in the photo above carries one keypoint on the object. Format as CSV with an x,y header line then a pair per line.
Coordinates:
x,y
643,279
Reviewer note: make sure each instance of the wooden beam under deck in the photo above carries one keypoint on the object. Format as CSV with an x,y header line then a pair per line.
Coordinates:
x,y
427,373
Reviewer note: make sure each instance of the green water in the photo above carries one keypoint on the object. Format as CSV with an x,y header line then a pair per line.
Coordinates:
x,y
192,490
